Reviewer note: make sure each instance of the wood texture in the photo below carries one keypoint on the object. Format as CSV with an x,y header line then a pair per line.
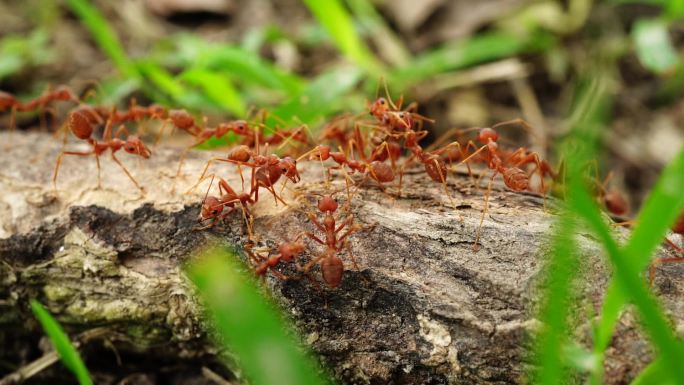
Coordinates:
x,y
424,307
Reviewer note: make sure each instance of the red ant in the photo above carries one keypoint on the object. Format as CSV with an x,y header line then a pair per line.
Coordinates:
x,y
287,252
213,207
514,178
81,123
266,170
9,101
332,267
677,228
379,171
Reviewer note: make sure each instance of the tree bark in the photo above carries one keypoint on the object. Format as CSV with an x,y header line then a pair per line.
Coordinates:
x,y
424,306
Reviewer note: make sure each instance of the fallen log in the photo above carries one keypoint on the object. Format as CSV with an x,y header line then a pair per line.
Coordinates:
x,y
424,307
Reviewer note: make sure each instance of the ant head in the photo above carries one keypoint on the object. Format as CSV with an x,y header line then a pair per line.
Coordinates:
x,y
136,146
487,134
289,250
6,100
327,204
211,208
181,119
404,119
378,107
156,111
64,93
240,126
289,168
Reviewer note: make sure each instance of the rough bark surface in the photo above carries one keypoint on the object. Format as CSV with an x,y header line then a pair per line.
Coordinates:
x,y
424,307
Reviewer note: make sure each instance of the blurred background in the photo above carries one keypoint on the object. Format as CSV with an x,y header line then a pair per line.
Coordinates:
x,y
466,63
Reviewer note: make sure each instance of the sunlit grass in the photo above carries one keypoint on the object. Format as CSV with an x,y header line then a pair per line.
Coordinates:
x,y
248,325
60,341
628,263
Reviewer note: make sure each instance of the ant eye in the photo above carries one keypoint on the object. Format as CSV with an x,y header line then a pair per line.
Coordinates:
x,y
382,101
284,169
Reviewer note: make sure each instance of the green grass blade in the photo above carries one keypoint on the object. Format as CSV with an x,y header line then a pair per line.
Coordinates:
x,y
393,47
249,326
560,270
628,277
319,99
163,80
337,21
237,62
67,353
217,87
474,50
104,35
653,374
660,210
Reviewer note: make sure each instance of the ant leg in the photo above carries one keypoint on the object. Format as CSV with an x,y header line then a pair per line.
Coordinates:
x,y
314,237
351,256
275,195
182,159
659,261
401,172
476,247
142,191
59,163
99,173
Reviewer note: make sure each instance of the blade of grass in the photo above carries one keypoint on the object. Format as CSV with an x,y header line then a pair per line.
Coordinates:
x,y
337,21
60,341
218,88
386,40
658,213
654,374
560,270
163,81
474,50
249,326
242,64
319,99
628,277
104,35
562,265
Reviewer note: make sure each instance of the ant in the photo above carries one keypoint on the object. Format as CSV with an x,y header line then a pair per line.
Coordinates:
x,y
332,267
514,178
266,170
677,228
287,252
9,101
81,123
379,171
213,206
610,198
61,93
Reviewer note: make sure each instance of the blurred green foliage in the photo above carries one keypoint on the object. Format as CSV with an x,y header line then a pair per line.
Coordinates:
x,y
186,71
248,325
60,341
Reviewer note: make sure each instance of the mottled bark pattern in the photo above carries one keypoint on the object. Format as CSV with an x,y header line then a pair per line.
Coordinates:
x,y
423,308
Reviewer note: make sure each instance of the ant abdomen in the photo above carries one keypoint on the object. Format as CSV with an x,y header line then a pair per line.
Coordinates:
x,y
436,169
381,172
615,202
516,179
332,269
82,120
